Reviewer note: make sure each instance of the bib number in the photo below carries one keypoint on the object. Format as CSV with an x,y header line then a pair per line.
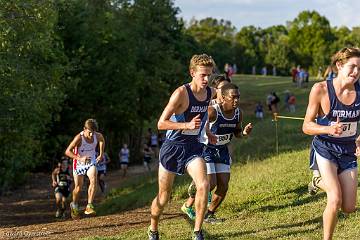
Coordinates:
x,y
349,129
62,184
223,139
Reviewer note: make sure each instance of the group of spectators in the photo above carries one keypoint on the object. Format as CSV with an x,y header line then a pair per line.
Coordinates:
x,y
300,76
272,102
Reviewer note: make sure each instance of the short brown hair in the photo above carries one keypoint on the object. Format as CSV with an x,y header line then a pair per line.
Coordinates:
x,y
201,60
216,79
344,55
91,124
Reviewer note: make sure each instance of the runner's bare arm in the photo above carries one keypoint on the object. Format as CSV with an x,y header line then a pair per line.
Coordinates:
x,y
53,176
310,127
74,143
239,130
177,104
101,140
211,118
211,114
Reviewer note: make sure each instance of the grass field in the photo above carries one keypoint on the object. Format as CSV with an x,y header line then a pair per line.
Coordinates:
x,y
267,198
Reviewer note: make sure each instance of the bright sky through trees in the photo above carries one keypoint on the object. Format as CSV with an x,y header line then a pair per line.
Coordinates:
x,y
266,13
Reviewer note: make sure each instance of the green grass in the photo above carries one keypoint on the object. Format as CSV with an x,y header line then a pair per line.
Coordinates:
x,y
267,198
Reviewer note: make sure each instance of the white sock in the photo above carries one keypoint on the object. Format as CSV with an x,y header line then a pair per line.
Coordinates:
x,y
316,173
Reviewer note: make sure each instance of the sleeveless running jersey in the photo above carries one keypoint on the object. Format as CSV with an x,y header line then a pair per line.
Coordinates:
x,y
124,155
88,149
154,140
62,178
101,166
349,116
224,127
195,107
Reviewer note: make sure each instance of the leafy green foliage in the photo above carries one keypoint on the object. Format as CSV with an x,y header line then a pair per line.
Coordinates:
x,y
32,64
215,37
127,57
311,37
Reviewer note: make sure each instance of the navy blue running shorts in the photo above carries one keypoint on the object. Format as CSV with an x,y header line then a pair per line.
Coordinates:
x,y
65,192
175,157
217,155
342,154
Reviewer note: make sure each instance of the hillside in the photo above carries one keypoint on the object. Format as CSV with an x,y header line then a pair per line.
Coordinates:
x,y
267,198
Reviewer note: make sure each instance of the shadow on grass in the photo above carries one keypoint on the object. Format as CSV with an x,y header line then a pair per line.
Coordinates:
x,y
135,193
307,224
298,200
261,201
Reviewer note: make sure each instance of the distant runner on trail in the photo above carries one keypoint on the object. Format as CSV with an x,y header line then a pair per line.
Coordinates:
x,y
84,163
332,116
124,156
61,181
101,167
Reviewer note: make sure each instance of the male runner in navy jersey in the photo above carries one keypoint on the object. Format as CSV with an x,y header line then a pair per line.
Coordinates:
x,y
184,117
225,121
332,117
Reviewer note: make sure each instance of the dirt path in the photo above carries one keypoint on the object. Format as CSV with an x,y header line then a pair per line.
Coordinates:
x,y
29,213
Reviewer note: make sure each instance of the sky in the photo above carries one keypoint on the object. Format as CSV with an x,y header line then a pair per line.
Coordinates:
x,y
266,13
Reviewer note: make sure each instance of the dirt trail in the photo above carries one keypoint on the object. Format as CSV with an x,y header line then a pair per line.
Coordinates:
x,y
29,213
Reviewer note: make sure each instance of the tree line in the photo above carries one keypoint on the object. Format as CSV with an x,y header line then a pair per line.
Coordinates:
x,y
117,61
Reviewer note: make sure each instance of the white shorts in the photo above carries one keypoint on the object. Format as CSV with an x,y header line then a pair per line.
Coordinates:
x,y
213,168
81,169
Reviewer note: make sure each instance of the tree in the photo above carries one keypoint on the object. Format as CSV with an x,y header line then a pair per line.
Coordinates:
x,y
126,56
345,38
247,48
280,55
215,37
310,36
31,67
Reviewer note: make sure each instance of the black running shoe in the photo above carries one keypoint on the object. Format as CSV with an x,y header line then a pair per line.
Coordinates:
x,y
198,235
153,235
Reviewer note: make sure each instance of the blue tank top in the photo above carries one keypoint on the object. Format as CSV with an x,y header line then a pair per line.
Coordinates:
x,y
195,107
349,115
101,166
224,127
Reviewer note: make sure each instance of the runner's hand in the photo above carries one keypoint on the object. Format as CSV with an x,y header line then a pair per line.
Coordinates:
x,y
84,159
337,128
247,129
357,142
357,152
195,123
211,137
98,159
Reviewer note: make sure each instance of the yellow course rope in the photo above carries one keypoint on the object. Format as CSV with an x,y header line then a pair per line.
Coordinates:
x,y
286,117
275,119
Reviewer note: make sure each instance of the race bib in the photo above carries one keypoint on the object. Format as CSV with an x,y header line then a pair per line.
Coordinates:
x,y
62,184
349,129
223,139
192,132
